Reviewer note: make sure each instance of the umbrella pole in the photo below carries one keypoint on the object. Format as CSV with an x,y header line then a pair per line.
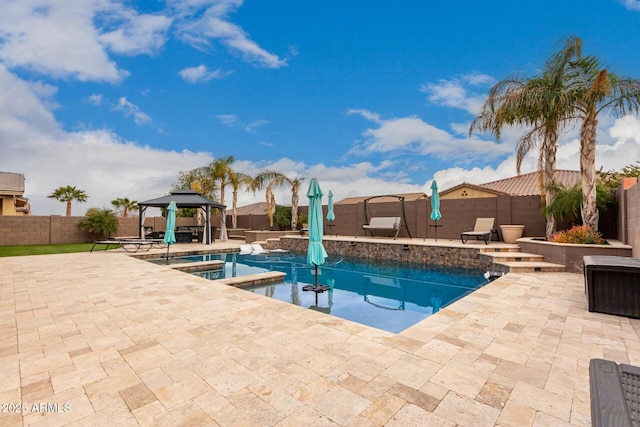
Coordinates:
x,y
167,262
436,229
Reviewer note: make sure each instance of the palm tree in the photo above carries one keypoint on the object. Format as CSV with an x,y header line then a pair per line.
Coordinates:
x,y
125,204
540,103
594,89
221,171
270,180
238,180
277,179
68,194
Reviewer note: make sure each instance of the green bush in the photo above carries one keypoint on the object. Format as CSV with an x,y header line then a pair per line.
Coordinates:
x,y
579,234
282,217
100,223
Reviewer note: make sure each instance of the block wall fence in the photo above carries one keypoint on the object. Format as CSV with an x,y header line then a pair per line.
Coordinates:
x,y
622,223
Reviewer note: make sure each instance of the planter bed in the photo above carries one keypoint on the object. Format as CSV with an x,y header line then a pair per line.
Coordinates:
x,y
571,255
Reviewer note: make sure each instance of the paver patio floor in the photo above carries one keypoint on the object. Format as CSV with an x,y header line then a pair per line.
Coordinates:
x,y
106,339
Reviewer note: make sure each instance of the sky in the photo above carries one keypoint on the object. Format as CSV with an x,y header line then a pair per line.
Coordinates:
x,y
369,97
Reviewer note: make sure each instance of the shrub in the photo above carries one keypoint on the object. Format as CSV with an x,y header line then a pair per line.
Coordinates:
x,y
99,223
579,234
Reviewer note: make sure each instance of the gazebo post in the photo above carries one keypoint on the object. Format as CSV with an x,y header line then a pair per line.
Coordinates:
x,y
208,224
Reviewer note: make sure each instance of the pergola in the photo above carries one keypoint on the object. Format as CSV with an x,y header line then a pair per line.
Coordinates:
x,y
184,199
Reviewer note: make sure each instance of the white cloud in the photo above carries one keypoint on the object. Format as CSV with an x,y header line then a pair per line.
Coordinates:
x,y
94,99
64,39
98,162
203,20
415,136
452,93
232,120
57,38
138,33
631,4
202,74
132,110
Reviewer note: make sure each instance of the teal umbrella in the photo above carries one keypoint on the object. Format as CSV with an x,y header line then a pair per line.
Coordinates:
x,y
170,233
330,214
316,254
435,206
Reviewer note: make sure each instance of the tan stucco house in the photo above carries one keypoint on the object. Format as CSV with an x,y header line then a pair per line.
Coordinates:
x,y
12,200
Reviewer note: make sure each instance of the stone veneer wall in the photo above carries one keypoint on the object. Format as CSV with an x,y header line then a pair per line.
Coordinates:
x,y
388,250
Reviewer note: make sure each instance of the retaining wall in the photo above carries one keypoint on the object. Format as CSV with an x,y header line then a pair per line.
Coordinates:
x,y
401,252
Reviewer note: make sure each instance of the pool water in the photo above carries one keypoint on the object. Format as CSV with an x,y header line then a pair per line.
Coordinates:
x,y
387,295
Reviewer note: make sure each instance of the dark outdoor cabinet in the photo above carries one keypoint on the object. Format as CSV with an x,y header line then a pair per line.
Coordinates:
x,y
612,285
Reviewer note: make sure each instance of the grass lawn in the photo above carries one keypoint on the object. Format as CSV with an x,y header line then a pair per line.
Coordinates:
x,y
44,249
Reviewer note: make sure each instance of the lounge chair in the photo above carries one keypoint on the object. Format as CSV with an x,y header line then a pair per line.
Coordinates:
x,y
245,249
483,228
257,249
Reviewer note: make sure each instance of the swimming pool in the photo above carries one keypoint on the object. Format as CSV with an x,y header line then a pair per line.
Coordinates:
x,y
387,295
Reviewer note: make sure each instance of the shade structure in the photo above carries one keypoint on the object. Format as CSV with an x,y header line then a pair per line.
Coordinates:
x,y
184,199
170,233
435,207
316,254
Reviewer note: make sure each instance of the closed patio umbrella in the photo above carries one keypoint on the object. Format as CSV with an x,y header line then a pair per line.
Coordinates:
x,y
435,206
170,233
316,254
330,214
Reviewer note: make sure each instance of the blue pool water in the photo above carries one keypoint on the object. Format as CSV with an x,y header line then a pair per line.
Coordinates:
x,y
387,295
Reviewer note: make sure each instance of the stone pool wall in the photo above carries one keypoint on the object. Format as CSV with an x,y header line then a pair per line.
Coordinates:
x,y
402,252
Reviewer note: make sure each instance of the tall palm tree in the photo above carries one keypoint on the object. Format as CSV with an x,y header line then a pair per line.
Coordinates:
x,y
277,179
220,171
594,90
125,204
239,180
540,103
270,180
68,194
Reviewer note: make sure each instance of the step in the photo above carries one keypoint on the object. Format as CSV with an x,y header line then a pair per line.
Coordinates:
x,y
514,257
532,267
499,249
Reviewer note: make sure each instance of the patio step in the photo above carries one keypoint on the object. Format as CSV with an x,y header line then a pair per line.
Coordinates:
x,y
490,249
514,257
532,267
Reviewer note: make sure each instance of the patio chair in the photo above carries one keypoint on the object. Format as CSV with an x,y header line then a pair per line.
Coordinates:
x,y
483,228
245,249
257,249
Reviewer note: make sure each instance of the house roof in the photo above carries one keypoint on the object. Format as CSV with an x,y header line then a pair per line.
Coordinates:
x,y
259,208
472,186
408,197
183,199
527,184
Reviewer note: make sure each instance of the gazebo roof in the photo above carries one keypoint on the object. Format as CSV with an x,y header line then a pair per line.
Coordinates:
x,y
183,199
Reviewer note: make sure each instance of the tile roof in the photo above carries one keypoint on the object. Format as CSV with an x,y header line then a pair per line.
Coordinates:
x,y
527,184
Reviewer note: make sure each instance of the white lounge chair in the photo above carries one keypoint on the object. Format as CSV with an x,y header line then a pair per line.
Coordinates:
x,y
245,249
257,249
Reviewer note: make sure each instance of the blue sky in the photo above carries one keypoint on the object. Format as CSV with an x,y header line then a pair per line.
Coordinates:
x,y
369,97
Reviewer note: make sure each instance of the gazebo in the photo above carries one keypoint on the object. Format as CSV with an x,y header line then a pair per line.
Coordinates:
x,y
185,199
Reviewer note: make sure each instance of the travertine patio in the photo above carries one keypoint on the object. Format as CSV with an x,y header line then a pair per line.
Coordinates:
x,y
125,342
